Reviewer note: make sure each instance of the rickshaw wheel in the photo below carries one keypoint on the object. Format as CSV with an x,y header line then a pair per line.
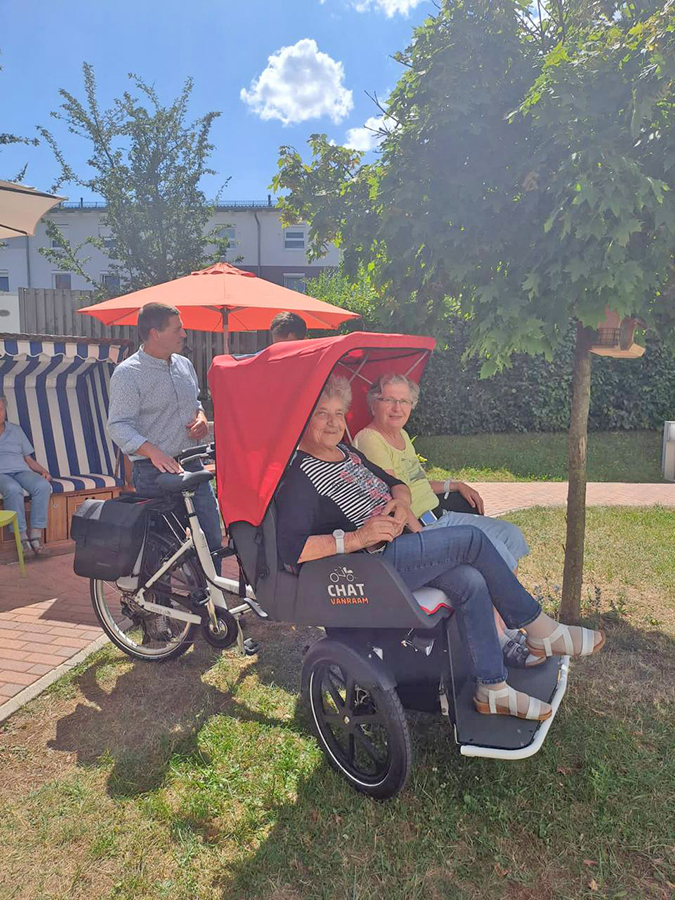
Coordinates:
x,y
363,730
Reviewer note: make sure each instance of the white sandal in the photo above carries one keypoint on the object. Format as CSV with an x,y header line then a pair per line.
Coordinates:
x,y
544,646
534,707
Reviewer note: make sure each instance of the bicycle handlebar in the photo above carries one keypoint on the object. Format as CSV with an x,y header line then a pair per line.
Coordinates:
x,y
203,450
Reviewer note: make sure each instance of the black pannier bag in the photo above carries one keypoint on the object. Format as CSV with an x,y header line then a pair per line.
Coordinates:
x,y
108,536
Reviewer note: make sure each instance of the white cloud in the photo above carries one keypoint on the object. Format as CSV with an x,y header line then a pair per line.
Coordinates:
x,y
299,83
389,7
365,138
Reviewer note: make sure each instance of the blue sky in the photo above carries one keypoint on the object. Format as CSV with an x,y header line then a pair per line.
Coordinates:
x,y
226,45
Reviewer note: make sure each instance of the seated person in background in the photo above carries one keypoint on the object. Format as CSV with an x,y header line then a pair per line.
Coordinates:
x,y
385,442
19,472
332,500
288,326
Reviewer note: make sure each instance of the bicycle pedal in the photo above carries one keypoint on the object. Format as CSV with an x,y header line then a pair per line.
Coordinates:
x,y
251,647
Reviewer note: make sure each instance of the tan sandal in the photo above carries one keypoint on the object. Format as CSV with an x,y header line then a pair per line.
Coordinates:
x,y
490,708
544,646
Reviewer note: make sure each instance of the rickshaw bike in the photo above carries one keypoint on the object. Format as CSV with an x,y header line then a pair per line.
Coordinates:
x,y
384,649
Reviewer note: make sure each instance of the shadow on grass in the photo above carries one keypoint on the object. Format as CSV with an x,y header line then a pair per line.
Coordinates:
x,y
585,806
594,802
156,710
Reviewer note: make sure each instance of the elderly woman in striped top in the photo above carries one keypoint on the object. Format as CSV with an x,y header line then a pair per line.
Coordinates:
x,y
333,500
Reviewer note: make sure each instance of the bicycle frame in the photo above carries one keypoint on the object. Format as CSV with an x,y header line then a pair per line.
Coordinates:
x,y
217,586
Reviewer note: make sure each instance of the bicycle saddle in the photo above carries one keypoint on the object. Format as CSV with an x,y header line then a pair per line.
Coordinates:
x,y
186,481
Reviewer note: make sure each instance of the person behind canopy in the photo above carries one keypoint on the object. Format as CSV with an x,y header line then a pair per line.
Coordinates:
x,y
288,326
332,500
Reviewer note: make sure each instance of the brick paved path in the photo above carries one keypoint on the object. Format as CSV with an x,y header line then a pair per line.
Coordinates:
x,y
47,624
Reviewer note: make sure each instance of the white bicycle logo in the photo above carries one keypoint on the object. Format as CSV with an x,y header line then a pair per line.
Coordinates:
x,y
341,572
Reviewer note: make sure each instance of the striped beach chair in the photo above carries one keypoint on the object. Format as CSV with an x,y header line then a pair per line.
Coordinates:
x,y
57,391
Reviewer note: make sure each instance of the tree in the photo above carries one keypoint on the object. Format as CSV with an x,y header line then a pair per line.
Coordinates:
x,y
146,162
527,181
357,295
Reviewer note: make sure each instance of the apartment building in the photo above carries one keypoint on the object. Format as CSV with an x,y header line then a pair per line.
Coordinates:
x,y
258,243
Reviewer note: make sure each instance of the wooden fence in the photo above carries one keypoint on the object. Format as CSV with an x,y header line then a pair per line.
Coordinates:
x,y
50,311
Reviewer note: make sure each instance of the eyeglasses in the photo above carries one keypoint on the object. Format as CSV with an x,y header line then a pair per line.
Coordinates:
x,y
392,401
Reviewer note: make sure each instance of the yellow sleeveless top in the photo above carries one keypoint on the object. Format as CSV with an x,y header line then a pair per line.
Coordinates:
x,y
403,463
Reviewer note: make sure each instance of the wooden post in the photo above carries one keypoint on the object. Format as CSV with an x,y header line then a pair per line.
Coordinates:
x,y
570,606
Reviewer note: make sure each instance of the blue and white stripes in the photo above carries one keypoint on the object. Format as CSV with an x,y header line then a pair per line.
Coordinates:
x,y
57,391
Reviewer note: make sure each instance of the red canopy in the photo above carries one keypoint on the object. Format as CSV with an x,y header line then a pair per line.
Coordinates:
x,y
249,303
262,404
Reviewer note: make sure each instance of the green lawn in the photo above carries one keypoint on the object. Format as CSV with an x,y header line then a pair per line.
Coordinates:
x,y
200,780
633,456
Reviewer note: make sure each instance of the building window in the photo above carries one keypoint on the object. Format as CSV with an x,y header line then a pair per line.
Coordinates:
x,y
105,236
64,231
229,232
295,281
61,281
294,239
4,280
110,282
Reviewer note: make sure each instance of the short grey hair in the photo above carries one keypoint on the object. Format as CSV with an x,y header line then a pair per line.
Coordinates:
x,y
4,402
337,386
378,386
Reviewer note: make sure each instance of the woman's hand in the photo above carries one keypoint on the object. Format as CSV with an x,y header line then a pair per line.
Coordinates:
x,y
399,510
413,523
378,529
470,495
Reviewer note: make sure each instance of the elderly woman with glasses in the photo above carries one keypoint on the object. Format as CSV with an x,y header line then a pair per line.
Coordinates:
x,y
333,501
437,504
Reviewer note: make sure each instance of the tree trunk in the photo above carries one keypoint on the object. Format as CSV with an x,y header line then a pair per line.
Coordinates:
x,y
570,606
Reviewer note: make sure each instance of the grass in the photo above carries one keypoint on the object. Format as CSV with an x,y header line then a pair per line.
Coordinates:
x,y
199,779
633,456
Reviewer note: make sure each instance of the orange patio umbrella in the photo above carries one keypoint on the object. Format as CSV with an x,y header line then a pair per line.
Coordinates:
x,y
222,298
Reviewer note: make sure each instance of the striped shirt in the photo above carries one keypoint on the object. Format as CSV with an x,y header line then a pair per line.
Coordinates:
x,y
318,497
357,492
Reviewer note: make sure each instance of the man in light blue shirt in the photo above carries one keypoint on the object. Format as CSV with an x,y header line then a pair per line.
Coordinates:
x,y
155,411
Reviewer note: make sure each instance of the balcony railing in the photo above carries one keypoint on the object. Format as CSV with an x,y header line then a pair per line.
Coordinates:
x,y
233,204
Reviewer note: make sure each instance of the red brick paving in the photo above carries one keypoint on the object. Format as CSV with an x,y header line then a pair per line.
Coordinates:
x,y
500,497
46,619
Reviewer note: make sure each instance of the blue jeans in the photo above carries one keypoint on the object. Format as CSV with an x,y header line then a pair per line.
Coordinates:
x,y
507,537
12,486
463,563
145,477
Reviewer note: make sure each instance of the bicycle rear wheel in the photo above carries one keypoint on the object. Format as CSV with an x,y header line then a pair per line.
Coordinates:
x,y
151,637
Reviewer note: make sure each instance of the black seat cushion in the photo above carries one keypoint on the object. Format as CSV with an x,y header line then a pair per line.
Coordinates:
x,y
185,481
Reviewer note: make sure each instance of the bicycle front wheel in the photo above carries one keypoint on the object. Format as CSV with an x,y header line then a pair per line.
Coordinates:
x,y
143,635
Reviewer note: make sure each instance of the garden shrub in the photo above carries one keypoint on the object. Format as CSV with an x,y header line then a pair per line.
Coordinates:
x,y
534,394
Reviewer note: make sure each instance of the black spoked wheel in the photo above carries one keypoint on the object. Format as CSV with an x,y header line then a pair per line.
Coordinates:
x,y
151,637
362,730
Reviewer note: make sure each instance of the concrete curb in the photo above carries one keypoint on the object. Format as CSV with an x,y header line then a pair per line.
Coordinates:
x,y
34,690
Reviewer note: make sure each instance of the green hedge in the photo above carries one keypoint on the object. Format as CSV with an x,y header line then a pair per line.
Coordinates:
x,y
534,395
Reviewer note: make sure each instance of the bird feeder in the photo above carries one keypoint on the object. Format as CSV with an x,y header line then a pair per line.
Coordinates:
x,y
614,337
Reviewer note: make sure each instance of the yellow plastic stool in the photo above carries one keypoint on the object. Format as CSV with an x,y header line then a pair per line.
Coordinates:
x,y
9,517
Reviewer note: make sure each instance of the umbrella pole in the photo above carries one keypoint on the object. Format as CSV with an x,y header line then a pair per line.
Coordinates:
x,y
226,337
